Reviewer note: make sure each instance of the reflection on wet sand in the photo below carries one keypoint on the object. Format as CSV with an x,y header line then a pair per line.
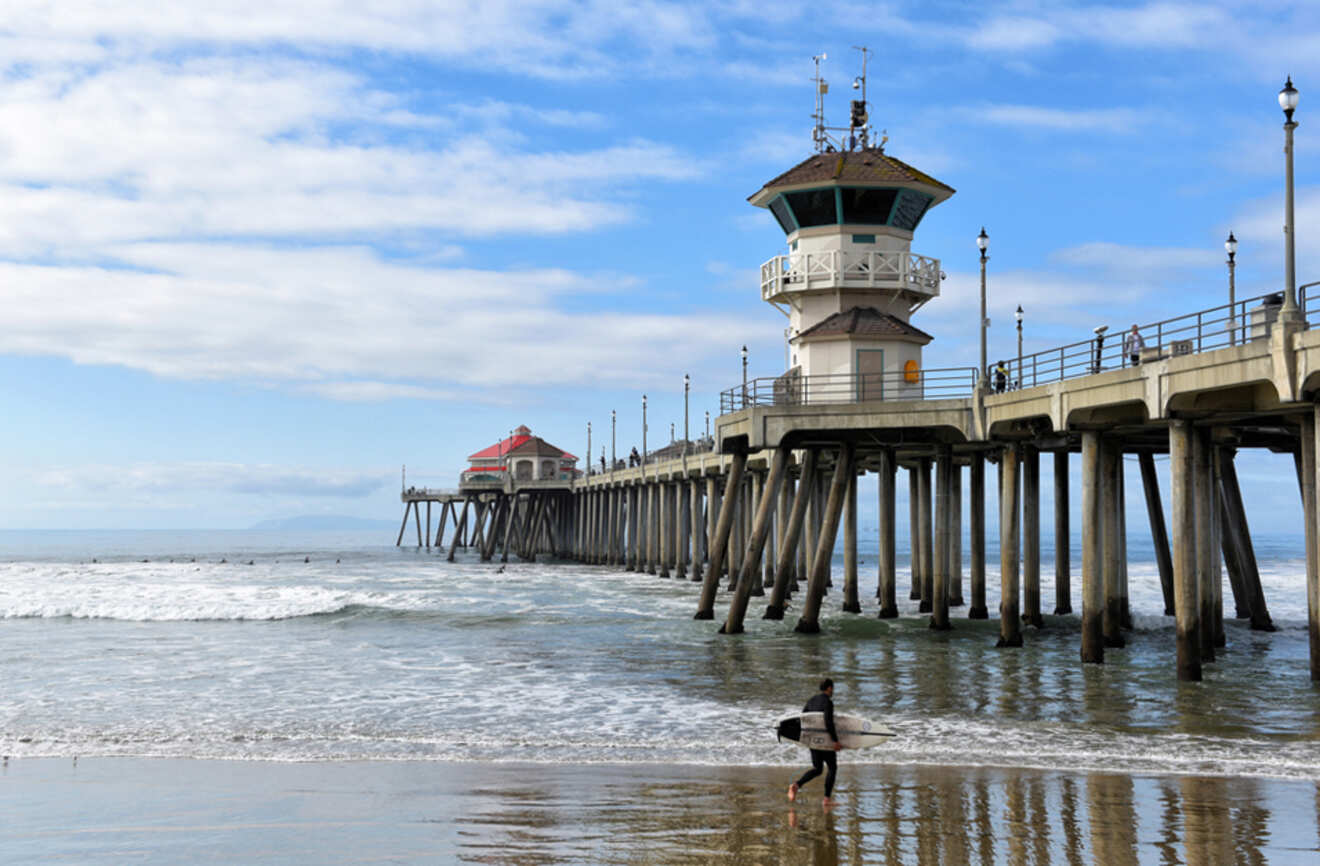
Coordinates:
x,y
920,815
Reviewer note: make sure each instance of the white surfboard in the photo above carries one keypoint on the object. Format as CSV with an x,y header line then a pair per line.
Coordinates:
x,y
808,730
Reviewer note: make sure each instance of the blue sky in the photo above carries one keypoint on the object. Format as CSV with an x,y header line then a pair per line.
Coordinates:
x,y
255,256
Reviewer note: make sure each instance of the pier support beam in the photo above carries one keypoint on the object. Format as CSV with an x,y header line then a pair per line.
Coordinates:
x,y
976,482
1111,462
1159,533
927,534
955,538
788,546
718,545
1031,537
851,603
939,599
820,567
1093,596
747,578
887,588
1237,525
914,531
1206,552
1186,603
1062,537
1010,626
1310,482
696,526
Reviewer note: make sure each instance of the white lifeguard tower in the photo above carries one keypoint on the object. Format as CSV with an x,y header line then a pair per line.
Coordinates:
x,y
849,282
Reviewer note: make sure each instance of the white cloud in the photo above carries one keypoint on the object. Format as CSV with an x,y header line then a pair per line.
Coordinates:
x,y
1153,25
1113,120
165,478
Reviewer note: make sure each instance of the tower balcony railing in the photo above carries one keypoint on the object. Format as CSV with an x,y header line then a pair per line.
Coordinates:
x,y
794,389
875,269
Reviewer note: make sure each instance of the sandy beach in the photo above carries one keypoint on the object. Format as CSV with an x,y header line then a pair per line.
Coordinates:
x,y
122,810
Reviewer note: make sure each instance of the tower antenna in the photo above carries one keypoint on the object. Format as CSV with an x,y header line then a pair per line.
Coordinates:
x,y
859,128
819,137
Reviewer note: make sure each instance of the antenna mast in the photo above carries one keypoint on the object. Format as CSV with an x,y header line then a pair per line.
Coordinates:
x,y
858,130
819,137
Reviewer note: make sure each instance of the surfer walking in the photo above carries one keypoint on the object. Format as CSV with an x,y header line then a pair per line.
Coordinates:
x,y
822,702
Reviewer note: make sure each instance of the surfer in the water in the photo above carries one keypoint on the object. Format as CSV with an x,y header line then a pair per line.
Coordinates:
x,y
821,702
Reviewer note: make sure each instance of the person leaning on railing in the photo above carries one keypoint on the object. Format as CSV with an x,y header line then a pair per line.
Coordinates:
x,y
1132,345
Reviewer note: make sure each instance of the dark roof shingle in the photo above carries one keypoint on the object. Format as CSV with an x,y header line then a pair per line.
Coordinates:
x,y
864,322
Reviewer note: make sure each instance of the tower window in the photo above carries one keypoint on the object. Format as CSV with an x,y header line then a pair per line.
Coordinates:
x,y
813,207
863,205
785,219
910,209
863,239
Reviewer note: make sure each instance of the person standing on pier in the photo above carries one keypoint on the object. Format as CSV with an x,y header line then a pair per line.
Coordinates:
x,y
822,702
1132,345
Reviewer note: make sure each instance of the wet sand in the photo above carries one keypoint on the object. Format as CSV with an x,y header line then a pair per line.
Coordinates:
x,y
119,810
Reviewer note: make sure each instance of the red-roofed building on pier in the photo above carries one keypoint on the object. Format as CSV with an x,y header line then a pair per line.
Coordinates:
x,y
521,457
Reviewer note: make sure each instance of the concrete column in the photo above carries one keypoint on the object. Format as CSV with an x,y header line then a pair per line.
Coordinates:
x,y
976,513
747,578
738,536
887,589
1125,604
1093,594
1111,458
668,532
1206,554
851,603
1216,545
706,607
1010,626
695,526
1031,537
614,526
712,518
940,579
927,529
820,567
1310,486
811,526
682,528
955,539
1229,543
788,548
1062,537
1159,534
1186,602
791,501
777,526
914,531
1237,524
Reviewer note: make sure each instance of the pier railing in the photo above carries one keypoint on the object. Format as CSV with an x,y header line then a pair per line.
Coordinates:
x,y
792,389
1239,323
1234,324
872,269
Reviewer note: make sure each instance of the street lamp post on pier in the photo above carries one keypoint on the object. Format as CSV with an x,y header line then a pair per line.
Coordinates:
x,y
614,452
1018,315
983,244
588,446
744,360
1288,102
707,425
643,430
1230,247
687,387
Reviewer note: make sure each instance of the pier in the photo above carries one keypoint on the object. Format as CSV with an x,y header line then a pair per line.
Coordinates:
x,y
756,512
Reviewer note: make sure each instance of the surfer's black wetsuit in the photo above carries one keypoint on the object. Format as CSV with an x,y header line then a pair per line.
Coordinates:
x,y
820,758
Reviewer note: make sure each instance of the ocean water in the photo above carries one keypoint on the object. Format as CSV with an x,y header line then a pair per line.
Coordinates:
x,y
338,646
